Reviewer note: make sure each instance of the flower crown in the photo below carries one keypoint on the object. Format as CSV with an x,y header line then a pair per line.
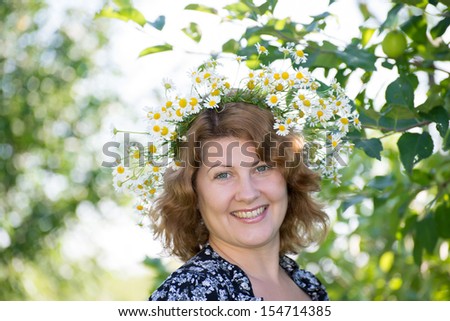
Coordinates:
x,y
299,103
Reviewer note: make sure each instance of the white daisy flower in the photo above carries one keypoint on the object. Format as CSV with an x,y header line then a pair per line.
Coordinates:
x,y
261,49
273,100
282,128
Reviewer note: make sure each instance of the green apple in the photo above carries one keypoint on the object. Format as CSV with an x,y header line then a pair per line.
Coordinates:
x,y
394,44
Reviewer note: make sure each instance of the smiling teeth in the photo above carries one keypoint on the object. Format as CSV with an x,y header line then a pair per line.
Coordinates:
x,y
249,214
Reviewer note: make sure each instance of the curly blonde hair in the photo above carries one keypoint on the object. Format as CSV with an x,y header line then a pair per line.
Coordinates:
x,y
175,216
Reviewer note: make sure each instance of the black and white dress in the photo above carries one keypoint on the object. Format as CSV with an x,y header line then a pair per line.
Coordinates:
x,y
209,277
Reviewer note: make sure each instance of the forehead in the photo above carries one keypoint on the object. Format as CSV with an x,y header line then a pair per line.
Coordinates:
x,y
228,151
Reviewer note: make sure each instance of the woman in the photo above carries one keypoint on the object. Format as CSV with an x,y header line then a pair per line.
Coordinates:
x,y
237,210
237,196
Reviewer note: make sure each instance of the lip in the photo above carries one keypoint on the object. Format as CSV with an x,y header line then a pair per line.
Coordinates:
x,y
253,219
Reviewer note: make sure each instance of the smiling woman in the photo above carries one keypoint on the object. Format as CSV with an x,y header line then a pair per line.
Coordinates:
x,y
226,183
240,206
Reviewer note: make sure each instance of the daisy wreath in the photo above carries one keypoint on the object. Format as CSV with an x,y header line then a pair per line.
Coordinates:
x,y
299,103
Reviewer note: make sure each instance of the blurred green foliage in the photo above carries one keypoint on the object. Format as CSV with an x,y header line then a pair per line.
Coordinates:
x,y
48,165
390,237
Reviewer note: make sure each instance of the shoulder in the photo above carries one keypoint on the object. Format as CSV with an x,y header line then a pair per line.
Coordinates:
x,y
199,279
306,280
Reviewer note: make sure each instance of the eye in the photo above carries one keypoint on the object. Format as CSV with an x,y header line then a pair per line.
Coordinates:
x,y
223,175
262,168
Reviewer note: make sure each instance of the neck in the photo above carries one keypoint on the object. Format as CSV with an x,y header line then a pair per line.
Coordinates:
x,y
258,263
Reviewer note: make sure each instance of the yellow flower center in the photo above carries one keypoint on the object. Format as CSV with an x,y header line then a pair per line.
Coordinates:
x,y
156,128
215,92
344,121
251,85
282,128
299,75
301,97
307,103
285,75
152,149
183,102
164,131
193,102
279,87
300,53
273,99
179,112
169,104
120,170
319,113
152,191
276,76
136,154
139,207
155,169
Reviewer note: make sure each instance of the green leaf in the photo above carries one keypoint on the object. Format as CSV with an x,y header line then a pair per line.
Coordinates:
x,y
231,46
133,15
267,6
416,29
193,31
351,201
125,14
413,148
323,56
155,49
392,17
382,182
355,57
423,178
440,116
440,28
239,10
364,10
123,3
434,100
442,217
201,8
427,232
446,145
400,93
372,147
391,118
159,23
366,35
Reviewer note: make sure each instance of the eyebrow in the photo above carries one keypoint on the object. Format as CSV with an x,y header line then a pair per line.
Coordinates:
x,y
219,164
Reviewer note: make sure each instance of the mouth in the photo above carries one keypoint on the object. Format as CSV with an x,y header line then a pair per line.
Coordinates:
x,y
250,214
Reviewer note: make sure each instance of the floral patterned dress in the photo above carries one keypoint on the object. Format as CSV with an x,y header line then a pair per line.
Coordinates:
x,y
209,277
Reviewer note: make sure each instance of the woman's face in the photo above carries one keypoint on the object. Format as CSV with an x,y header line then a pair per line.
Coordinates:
x,y
242,200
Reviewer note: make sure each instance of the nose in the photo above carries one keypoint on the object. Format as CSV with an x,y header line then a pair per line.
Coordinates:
x,y
247,189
